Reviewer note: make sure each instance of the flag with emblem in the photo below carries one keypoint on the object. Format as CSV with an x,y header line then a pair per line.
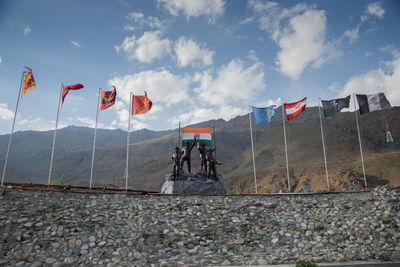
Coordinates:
x,y
108,98
294,109
263,115
331,107
140,104
29,83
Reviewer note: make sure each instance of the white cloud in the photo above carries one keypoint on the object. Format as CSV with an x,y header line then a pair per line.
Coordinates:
x,y
373,9
234,83
1,60
352,35
199,114
277,102
40,124
162,87
27,30
145,49
300,33
194,8
385,79
189,52
140,21
76,44
5,113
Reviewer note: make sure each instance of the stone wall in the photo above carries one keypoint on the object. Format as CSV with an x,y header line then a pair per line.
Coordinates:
x,y
55,228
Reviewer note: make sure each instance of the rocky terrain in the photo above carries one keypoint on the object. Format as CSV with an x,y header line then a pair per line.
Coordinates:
x,y
45,228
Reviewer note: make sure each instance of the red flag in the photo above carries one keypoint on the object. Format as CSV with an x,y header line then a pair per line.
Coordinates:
x,y
108,98
140,104
66,89
294,109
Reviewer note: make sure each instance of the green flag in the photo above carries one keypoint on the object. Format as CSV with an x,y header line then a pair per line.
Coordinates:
x,y
331,107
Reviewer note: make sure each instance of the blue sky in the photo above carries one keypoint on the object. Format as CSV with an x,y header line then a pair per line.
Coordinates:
x,y
197,60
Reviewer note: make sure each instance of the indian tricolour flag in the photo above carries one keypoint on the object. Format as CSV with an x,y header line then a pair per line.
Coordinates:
x,y
201,134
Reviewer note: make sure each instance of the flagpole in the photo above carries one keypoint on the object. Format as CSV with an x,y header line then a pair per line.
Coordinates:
x,y
54,138
12,130
215,143
94,141
179,134
359,140
127,143
252,151
323,142
284,135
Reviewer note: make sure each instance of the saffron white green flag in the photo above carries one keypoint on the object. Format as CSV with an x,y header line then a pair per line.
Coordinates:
x,y
202,135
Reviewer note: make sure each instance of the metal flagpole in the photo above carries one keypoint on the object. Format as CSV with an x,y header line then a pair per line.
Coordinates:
x,y
284,134
94,141
127,144
12,130
54,137
215,143
323,142
179,135
359,140
252,151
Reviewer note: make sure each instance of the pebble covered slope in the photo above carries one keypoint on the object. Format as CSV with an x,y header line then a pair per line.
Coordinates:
x,y
40,228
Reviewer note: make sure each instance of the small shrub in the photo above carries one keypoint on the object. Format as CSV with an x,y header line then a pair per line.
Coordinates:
x,y
319,228
305,264
346,207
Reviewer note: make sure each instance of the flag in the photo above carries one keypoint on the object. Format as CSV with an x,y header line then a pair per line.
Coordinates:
x,y
140,104
294,109
263,115
66,89
368,103
108,98
331,107
29,83
202,135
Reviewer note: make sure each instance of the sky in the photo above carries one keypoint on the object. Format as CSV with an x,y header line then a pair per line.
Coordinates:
x,y
197,60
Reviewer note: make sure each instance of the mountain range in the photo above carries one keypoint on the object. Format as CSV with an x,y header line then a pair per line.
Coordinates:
x,y
150,153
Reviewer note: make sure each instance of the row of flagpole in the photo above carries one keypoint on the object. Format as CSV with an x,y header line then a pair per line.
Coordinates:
x,y
144,104
322,137
28,83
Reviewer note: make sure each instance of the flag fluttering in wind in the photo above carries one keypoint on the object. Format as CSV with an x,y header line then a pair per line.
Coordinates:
x,y
331,107
202,135
294,109
372,102
28,83
66,89
108,98
140,104
263,115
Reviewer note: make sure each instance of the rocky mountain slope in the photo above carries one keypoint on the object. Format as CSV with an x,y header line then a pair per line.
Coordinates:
x,y
150,153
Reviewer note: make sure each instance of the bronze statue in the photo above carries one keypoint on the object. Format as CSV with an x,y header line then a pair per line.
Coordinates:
x,y
211,163
176,158
203,160
186,154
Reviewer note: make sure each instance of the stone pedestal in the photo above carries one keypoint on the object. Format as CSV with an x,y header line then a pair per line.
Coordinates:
x,y
193,184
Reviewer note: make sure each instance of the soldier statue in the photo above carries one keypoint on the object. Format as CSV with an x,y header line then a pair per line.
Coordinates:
x,y
176,158
211,164
203,160
186,154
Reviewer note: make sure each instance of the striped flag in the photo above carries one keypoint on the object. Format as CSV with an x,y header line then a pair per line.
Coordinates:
x,y
294,109
202,135
368,103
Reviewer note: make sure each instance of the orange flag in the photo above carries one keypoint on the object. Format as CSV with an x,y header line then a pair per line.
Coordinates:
x,y
140,104
28,83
